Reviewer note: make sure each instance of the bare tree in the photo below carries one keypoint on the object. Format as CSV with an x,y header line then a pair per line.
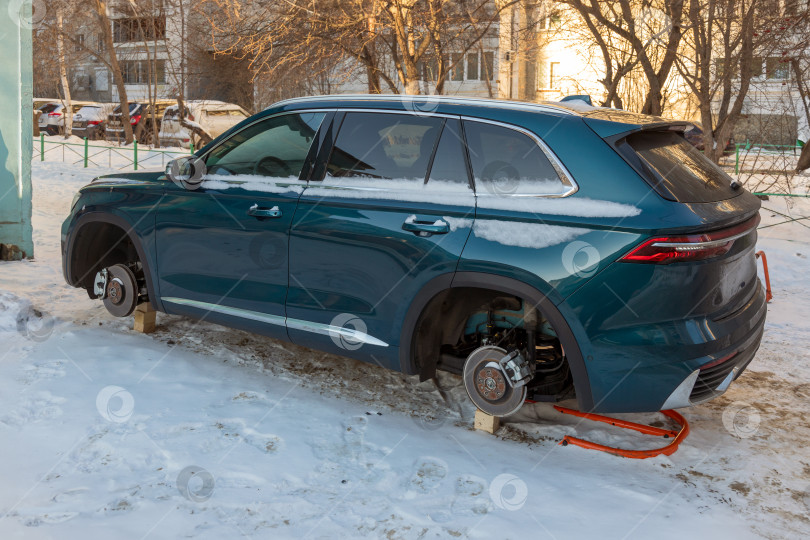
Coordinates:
x,y
652,29
397,42
110,58
67,111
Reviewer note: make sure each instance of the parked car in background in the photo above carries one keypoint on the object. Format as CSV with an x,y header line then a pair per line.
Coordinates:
x,y
694,134
213,118
39,102
52,120
474,239
144,117
91,120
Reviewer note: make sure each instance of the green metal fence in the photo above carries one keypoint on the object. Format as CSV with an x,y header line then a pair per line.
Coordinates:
x,y
761,150
90,154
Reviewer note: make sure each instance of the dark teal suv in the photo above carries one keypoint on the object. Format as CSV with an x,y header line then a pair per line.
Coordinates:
x,y
541,251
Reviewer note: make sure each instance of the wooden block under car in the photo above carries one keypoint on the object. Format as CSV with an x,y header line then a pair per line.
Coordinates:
x,y
485,422
145,317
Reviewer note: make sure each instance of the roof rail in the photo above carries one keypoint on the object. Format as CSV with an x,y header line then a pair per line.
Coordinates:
x,y
453,100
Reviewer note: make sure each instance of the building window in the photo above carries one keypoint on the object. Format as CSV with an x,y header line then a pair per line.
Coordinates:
x,y
472,66
457,71
480,67
777,68
554,75
138,71
756,67
139,29
100,43
488,66
79,42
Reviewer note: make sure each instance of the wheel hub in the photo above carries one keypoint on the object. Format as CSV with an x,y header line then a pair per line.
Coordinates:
x,y
490,383
115,291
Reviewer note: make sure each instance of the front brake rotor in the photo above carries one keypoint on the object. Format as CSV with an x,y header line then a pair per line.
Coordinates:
x,y
486,383
121,293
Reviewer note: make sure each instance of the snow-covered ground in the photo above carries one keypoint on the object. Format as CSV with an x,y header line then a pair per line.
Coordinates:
x,y
204,432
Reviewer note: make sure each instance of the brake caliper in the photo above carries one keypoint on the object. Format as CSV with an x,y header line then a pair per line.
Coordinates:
x,y
100,284
516,368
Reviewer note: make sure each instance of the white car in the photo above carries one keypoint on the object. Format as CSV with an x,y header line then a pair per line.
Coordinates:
x,y
213,117
91,120
52,120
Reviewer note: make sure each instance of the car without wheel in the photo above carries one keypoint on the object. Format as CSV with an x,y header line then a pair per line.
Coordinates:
x,y
540,251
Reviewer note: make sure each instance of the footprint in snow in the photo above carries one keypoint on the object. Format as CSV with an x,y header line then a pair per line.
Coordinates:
x,y
42,370
41,406
47,519
428,474
471,496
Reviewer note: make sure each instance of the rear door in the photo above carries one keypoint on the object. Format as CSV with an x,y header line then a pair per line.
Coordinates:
x,y
384,218
222,248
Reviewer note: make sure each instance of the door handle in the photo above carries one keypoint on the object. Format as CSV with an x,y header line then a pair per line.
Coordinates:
x,y
413,225
255,211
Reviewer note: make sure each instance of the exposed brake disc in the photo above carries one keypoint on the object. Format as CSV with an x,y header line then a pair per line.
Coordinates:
x,y
488,384
121,291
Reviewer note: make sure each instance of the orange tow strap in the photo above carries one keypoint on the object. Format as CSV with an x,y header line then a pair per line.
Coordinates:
x,y
677,436
768,295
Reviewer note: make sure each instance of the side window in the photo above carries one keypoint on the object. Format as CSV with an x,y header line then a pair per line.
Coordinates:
x,y
276,147
384,146
450,165
507,162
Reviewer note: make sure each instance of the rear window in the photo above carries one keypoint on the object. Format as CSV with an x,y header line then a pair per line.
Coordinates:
x,y
677,170
132,108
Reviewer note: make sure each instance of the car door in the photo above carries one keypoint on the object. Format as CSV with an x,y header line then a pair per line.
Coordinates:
x,y
384,218
222,248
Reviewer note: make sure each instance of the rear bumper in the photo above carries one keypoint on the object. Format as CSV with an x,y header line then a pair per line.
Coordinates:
x,y
713,378
636,363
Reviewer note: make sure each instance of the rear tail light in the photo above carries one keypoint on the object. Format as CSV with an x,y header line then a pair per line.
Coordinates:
x,y
54,114
93,122
694,247
135,119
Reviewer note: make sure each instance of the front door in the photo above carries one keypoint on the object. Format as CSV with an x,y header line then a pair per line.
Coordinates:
x,y
386,217
222,248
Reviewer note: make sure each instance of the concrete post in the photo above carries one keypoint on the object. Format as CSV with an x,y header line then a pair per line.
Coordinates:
x,y
16,135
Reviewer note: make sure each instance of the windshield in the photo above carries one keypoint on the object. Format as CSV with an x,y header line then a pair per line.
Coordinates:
x,y
678,170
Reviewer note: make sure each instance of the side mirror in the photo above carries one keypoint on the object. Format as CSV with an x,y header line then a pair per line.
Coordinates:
x,y
187,171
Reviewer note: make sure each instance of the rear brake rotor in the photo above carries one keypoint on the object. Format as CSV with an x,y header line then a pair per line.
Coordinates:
x,y
486,383
121,293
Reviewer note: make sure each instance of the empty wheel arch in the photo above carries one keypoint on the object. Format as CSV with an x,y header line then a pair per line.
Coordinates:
x,y
101,241
439,329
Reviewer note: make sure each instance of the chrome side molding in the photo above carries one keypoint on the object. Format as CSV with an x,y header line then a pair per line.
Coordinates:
x,y
351,334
